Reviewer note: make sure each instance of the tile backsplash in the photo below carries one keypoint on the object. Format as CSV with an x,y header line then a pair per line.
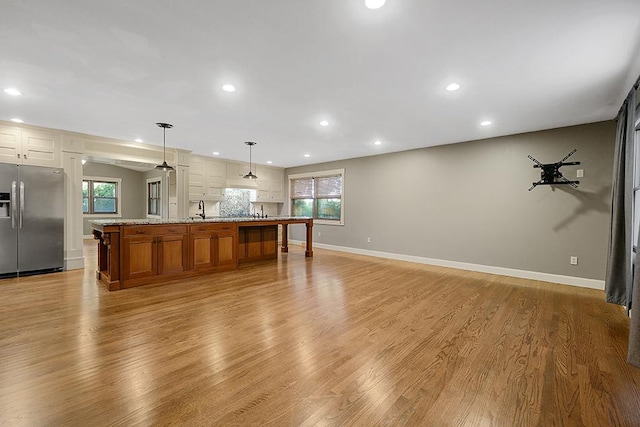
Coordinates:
x,y
236,202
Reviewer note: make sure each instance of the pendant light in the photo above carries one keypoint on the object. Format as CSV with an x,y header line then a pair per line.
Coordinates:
x,y
164,166
250,175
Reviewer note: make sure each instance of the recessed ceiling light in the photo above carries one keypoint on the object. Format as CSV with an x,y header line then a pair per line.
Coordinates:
x,y
269,162
228,88
215,153
485,122
377,143
16,120
138,140
453,86
307,155
374,4
324,123
12,91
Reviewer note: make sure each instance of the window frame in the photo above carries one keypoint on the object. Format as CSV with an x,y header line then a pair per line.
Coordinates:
x,y
635,192
157,180
118,182
320,174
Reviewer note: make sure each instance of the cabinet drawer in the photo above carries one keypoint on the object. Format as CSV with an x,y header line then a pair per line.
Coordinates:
x,y
208,228
154,230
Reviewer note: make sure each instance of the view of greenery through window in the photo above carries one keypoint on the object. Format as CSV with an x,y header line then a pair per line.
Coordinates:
x,y
317,197
99,197
329,208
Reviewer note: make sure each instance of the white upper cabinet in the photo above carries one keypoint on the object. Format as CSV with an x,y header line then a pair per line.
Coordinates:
x,y
29,147
270,184
206,178
214,179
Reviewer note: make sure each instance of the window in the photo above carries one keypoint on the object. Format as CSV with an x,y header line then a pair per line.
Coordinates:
x,y
318,195
154,197
101,196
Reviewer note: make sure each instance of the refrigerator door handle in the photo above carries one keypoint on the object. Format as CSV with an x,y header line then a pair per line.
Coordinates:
x,y
14,205
21,202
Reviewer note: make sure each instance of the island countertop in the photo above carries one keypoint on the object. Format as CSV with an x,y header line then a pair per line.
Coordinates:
x,y
150,221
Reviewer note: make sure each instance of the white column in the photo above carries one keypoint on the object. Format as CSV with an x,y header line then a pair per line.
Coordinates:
x,y
182,190
72,150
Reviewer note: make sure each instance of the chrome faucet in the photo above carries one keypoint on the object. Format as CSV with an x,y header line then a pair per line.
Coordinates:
x,y
201,206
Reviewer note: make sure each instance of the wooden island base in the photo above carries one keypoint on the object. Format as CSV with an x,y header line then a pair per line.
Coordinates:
x,y
135,253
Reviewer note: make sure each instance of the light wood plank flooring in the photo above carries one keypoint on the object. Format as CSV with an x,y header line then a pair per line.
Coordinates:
x,y
334,340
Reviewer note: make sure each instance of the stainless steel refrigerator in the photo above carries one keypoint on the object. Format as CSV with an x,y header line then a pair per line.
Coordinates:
x,y
31,220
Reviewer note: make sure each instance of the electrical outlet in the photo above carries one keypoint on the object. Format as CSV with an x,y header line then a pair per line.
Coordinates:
x,y
368,239
580,173
573,260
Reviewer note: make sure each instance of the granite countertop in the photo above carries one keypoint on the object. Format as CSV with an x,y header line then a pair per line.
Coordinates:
x,y
197,220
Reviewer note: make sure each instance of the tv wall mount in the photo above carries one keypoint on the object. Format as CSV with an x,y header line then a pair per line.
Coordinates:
x,y
550,173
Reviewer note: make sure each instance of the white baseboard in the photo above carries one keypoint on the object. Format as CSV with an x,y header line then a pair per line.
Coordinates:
x,y
501,271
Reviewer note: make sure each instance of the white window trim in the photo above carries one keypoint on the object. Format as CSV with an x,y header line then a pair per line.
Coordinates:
x,y
146,202
319,174
119,196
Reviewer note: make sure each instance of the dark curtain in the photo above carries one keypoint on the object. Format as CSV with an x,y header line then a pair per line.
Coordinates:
x,y
623,275
618,278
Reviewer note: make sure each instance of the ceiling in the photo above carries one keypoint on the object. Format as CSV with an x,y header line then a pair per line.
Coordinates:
x,y
115,68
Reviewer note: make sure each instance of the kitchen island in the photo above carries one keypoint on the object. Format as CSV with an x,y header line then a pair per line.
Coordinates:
x,y
135,252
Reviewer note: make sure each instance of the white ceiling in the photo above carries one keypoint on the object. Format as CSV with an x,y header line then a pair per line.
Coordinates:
x,y
115,68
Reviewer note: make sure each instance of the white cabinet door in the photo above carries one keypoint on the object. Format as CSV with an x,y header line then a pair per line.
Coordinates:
x,y
276,186
196,180
236,170
40,148
10,144
206,179
215,177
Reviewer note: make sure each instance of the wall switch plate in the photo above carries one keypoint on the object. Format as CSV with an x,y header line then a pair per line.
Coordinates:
x,y
319,233
573,260
368,239
580,173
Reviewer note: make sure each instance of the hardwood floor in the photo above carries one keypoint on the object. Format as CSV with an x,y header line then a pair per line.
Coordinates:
x,y
336,339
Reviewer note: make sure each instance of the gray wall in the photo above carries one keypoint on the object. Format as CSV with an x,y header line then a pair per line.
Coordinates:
x,y
468,202
133,190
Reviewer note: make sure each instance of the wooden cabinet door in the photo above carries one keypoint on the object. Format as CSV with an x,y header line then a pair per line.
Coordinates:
x,y
173,253
140,257
226,249
202,251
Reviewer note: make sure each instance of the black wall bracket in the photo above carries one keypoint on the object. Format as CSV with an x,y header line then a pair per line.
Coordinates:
x,y
550,173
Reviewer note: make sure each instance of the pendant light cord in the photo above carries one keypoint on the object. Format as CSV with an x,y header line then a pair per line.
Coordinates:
x,y
164,144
